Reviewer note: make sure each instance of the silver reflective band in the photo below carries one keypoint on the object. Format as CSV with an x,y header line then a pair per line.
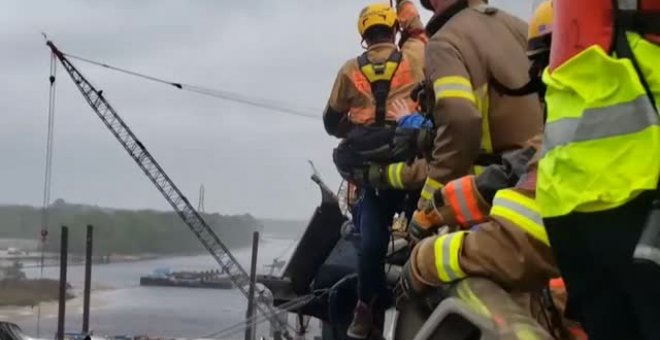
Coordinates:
x,y
644,252
451,87
462,202
447,256
518,208
627,4
606,122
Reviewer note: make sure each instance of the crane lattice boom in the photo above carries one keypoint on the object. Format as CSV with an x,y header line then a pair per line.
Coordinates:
x,y
163,183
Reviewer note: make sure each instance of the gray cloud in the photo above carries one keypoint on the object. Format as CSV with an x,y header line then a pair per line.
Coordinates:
x,y
249,159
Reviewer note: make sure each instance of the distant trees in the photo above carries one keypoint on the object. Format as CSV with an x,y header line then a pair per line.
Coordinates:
x,y
122,231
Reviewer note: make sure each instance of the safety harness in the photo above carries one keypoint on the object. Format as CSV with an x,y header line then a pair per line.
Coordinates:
x,y
380,77
365,145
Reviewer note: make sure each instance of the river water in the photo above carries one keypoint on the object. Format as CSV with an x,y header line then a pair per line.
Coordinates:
x,y
121,306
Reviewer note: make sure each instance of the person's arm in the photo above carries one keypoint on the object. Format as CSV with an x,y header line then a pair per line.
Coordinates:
x,y
456,116
335,116
410,23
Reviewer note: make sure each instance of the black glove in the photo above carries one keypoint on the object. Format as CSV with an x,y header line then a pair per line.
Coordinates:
x,y
501,176
404,291
372,176
420,94
515,162
410,143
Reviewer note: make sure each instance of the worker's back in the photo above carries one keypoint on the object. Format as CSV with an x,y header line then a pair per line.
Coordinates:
x,y
355,95
492,44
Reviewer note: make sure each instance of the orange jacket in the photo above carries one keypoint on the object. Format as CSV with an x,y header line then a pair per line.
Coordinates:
x,y
351,101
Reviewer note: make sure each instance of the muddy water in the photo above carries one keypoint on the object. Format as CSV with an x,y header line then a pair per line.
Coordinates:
x,y
121,306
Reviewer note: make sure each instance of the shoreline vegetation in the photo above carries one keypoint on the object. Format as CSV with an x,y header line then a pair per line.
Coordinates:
x,y
121,231
29,293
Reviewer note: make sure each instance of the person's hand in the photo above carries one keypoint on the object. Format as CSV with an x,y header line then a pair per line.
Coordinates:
x,y
399,109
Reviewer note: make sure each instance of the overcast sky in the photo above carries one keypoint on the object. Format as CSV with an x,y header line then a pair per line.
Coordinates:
x,y
249,159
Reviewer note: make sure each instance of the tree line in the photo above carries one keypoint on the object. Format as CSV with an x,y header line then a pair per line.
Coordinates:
x,y
122,231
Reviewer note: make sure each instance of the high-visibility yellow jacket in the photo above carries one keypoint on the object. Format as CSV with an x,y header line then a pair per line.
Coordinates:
x,y
602,136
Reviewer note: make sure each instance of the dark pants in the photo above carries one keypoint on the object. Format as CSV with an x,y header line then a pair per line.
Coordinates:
x,y
612,296
376,212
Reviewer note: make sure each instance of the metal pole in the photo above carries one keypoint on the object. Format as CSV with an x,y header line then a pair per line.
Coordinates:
x,y
88,277
64,253
249,330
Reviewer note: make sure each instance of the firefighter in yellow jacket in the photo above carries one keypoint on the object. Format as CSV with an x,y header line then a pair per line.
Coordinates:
x,y
601,163
509,245
361,102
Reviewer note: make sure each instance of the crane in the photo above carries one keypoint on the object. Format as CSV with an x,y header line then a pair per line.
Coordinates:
x,y
163,183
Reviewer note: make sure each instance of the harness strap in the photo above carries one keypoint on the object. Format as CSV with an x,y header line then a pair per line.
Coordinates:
x,y
380,77
636,21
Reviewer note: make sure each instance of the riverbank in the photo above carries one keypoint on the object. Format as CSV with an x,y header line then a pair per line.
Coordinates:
x,y
29,293
119,305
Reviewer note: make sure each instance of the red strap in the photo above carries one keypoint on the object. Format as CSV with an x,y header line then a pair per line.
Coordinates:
x,y
557,283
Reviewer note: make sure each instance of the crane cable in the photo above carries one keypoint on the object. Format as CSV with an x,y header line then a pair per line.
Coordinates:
x,y
206,91
47,174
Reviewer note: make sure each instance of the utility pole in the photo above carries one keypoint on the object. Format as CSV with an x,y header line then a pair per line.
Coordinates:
x,y
88,278
250,329
64,254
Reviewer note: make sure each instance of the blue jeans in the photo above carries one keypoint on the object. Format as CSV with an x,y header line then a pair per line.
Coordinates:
x,y
376,213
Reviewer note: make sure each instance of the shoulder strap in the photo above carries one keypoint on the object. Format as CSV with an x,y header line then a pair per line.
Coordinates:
x,y
640,22
380,77
436,22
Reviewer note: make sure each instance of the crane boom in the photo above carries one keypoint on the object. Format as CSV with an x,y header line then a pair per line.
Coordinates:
x,y
163,183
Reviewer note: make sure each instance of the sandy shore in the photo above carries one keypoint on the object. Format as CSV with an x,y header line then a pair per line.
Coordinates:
x,y
18,314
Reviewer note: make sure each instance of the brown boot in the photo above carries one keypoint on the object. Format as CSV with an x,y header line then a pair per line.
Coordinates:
x,y
362,323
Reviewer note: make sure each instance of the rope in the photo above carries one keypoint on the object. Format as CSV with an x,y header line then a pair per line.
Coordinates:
x,y
234,97
258,319
47,174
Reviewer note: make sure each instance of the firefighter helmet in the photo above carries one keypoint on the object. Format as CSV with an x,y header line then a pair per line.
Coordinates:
x,y
378,14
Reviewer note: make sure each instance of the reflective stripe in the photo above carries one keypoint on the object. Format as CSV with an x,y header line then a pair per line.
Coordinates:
x,y
456,94
454,87
627,4
460,194
483,104
466,294
447,250
394,175
430,186
453,80
521,211
611,121
645,252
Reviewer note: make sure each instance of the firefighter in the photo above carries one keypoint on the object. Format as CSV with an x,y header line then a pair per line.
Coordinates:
x,y
360,111
472,48
600,164
509,244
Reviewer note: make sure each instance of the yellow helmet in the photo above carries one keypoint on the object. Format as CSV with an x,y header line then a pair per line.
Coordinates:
x,y
374,15
540,29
